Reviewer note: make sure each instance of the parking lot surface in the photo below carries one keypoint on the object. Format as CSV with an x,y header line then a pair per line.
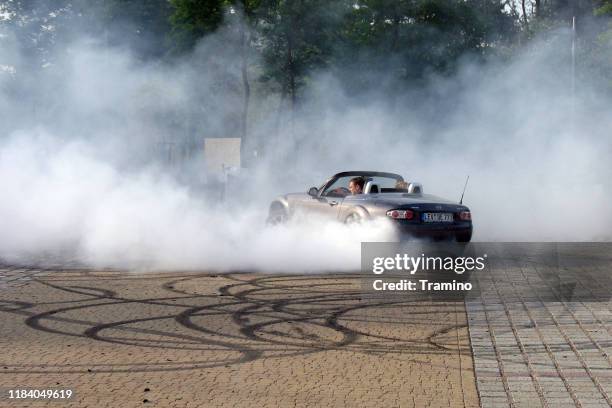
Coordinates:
x,y
119,339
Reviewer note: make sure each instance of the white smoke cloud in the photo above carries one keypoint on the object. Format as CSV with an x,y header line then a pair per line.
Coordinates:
x,y
60,199
81,177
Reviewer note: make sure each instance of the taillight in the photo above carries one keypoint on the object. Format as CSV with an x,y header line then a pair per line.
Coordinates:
x,y
401,214
465,216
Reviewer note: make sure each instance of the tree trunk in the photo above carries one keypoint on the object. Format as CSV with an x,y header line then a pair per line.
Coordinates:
x,y
291,85
524,14
245,84
279,114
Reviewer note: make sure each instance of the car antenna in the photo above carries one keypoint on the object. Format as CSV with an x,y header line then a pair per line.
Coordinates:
x,y
464,187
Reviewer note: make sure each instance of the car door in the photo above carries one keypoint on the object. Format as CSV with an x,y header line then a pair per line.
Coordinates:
x,y
327,203
324,206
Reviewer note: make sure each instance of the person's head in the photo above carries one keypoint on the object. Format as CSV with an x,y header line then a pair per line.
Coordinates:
x,y
356,185
401,185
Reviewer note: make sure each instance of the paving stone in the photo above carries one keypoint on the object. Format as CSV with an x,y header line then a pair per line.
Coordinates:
x,y
564,346
242,340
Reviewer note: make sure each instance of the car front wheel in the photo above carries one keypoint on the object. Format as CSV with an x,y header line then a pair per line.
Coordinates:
x,y
353,218
277,214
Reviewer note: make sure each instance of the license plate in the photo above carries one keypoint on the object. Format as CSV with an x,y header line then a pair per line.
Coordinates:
x,y
437,217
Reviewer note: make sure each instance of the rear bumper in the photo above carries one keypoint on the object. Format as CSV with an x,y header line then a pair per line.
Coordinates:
x,y
436,231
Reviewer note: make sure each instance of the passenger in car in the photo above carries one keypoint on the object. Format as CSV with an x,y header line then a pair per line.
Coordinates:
x,y
401,186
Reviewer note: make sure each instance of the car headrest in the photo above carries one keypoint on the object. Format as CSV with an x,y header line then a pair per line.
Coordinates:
x,y
415,188
371,188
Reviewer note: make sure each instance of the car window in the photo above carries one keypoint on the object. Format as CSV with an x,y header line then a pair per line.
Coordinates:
x,y
338,188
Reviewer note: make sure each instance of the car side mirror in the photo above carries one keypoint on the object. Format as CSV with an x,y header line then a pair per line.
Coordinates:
x,y
313,191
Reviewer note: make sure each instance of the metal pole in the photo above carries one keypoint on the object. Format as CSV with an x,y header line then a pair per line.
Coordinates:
x,y
573,80
573,57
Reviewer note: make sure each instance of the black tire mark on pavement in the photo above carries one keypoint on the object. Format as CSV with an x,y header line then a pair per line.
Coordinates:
x,y
274,316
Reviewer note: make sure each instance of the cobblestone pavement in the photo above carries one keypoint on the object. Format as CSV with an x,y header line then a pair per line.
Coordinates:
x,y
536,344
200,340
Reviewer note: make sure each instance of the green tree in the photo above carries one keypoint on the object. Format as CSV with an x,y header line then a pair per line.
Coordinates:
x,y
604,8
297,38
36,27
40,26
144,25
245,13
408,39
601,55
194,19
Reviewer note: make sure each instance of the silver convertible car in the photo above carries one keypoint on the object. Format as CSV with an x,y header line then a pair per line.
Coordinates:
x,y
414,213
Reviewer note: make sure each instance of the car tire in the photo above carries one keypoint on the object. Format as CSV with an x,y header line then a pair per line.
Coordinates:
x,y
277,214
353,218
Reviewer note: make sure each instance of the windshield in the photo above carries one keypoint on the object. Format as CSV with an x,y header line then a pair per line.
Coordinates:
x,y
338,188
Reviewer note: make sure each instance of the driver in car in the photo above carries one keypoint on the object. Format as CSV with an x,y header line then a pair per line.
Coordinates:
x,y
356,185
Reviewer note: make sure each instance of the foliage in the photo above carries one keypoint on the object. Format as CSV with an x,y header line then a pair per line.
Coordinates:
x,y
143,25
192,19
368,43
407,39
605,8
296,38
